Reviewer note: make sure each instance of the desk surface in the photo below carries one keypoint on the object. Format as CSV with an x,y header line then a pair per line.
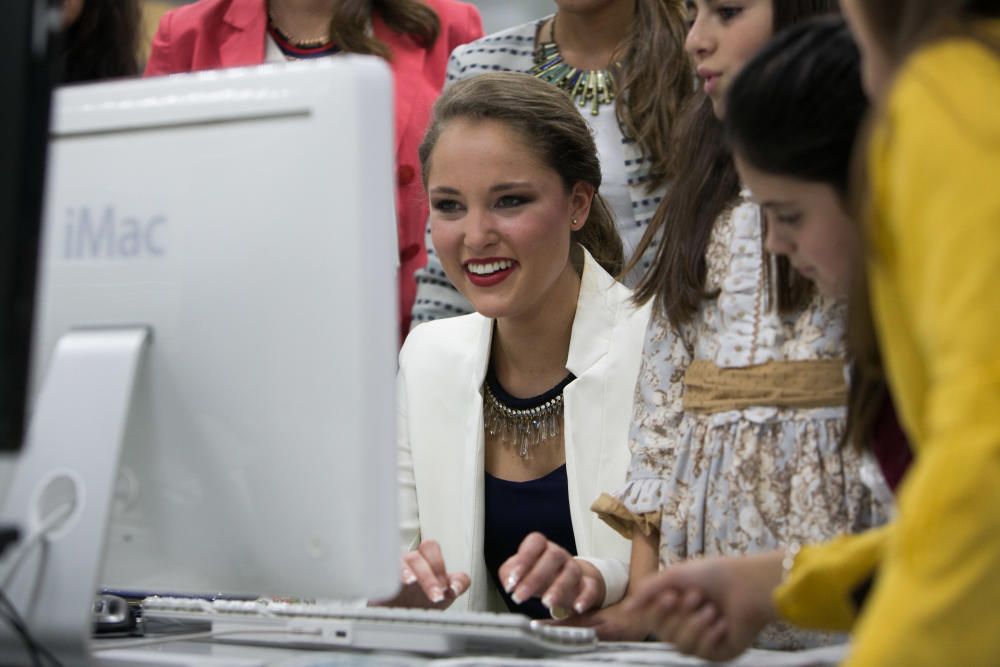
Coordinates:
x,y
207,654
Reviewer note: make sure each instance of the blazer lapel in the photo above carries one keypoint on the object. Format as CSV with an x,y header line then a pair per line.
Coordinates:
x,y
585,399
473,467
590,338
244,45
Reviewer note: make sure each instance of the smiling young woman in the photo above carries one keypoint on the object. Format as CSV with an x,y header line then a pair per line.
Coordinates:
x,y
513,418
500,221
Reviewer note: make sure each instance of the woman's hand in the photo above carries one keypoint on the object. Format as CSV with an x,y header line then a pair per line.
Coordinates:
x,y
712,608
613,624
541,568
426,582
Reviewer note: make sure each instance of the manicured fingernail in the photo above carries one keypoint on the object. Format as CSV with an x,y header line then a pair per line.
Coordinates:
x,y
516,597
456,588
512,580
579,608
409,578
548,601
437,595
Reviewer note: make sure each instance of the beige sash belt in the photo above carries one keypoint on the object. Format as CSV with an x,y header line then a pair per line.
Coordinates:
x,y
785,384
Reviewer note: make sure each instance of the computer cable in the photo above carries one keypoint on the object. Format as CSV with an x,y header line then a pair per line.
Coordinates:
x,y
35,650
15,559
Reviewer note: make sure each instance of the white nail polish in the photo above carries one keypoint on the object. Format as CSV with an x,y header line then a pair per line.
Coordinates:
x,y
456,588
516,598
409,578
579,607
511,582
547,602
437,595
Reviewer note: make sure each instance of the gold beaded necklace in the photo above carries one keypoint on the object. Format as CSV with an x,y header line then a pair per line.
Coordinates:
x,y
594,87
311,42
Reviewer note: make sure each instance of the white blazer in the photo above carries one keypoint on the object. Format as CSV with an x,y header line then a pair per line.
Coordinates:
x,y
441,438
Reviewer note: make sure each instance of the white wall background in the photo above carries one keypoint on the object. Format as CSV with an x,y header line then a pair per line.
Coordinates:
x,y
500,14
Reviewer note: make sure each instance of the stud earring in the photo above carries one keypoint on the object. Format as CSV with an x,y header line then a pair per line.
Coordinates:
x,y
573,223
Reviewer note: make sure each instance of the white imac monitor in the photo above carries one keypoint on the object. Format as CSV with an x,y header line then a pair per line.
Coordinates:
x,y
217,294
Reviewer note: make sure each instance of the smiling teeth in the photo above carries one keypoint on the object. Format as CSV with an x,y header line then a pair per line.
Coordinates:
x,y
487,269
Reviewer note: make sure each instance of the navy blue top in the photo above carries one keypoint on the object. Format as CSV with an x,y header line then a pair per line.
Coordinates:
x,y
514,509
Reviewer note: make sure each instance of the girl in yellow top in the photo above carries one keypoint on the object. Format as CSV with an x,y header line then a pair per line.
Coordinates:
x,y
923,591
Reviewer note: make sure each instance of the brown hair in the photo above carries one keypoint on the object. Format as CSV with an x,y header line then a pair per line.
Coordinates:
x,y
654,79
902,26
550,124
868,389
705,186
349,25
102,43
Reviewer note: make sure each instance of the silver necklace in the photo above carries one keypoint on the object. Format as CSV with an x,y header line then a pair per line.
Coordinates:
x,y
522,424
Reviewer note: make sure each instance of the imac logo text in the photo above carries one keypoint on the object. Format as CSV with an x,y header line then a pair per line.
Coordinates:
x,y
102,234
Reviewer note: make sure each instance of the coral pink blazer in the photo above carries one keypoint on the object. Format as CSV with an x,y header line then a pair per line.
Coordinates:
x,y
212,34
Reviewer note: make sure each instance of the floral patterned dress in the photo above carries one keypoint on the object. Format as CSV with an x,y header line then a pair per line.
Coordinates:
x,y
743,480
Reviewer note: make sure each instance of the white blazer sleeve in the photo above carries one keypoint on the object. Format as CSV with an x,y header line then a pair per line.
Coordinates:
x,y
615,574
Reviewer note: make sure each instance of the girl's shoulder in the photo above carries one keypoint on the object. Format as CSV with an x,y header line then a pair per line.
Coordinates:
x,y
524,33
736,235
454,10
739,218
943,90
446,336
517,42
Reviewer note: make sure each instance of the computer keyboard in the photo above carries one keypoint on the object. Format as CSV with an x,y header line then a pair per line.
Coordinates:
x,y
324,625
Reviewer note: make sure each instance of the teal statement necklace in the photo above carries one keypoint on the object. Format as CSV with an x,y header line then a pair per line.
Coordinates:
x,y
593,87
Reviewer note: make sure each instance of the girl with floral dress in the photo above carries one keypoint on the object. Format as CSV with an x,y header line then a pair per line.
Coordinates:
x,y
739,408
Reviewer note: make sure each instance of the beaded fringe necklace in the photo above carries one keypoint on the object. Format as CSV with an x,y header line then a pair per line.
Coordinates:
x,y
522,423
595,87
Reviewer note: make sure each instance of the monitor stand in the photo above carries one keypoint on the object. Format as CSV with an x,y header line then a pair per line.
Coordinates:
x,y
70,459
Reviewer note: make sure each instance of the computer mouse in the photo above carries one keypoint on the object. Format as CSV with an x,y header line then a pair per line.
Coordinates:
x,y
112,614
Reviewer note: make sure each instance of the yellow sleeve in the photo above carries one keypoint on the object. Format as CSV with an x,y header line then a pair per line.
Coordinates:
x,y
818,592
936,295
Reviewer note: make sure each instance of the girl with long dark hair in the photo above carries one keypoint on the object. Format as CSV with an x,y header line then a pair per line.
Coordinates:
x,y
740,405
